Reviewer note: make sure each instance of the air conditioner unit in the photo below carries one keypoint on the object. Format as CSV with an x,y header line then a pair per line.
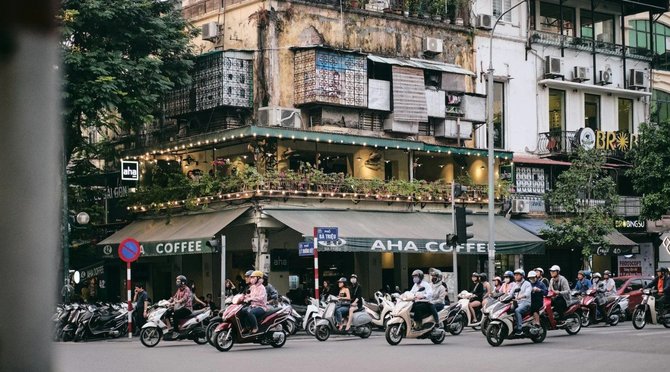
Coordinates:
x,y
580,74
520,206
279,117
553,67
210,31
485,21
432,45
637,79
606,76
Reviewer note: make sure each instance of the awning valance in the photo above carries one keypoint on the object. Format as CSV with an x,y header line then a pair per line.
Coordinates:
x,y
423,64
405,232
176,235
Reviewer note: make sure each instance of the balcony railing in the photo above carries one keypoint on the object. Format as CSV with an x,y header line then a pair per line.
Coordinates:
x,y
556,143
588,45
629,206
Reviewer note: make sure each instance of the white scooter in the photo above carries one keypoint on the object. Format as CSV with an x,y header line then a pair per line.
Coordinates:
x,y
314,311
464,303
381,311
361,324
191,328
646,312
401,324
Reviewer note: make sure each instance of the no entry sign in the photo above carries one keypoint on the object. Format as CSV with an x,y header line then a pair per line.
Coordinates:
x,y
129,250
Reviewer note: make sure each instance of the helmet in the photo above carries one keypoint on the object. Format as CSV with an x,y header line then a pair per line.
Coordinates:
x,y
266,277
508,273
607,272
532,274
342,280
436,272
475,275
662,269
182,280
248,273
597,275
483,277
555,268
418,273
497,278
520,272
257,274
580,272
540,270
354,276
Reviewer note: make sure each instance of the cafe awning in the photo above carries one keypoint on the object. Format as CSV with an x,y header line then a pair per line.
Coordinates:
x,y
175,235
408,232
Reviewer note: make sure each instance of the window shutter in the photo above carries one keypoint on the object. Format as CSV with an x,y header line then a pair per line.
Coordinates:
x,y
497,8
506,6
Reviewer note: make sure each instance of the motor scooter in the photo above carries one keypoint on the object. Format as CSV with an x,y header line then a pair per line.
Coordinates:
x,y
401,325
361,324
464,302
314,310
646,311
380,312
571,321
270,330
108,321
501,326
191,328
591,312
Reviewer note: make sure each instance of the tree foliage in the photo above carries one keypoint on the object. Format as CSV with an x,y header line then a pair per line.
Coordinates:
x,y
119,58
651,163
586,197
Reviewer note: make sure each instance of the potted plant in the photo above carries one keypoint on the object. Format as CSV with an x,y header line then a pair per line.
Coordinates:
x,y
459,10
437,9
354,4
413,8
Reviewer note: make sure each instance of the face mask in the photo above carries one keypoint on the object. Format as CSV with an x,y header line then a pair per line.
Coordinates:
x,y
507,280
435,280
178,283
533,280
354,280
416,280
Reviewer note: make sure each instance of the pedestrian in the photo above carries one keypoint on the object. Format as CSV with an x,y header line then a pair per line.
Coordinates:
x,y
197,302
141,300
230,288
210,302
325,291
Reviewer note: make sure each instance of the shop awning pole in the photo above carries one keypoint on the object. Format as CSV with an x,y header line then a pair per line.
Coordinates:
x,y
316,266
453,230
223,270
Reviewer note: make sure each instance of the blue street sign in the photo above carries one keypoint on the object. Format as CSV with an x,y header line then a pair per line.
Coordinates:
x,y
326,234
305,249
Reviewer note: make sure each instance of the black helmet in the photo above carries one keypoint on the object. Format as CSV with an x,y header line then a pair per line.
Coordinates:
x,y
475,275
248,273
181,279
483,277
265,277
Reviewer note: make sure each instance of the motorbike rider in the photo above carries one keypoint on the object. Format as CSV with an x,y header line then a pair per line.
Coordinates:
x,y
423,293
344,297
271,292
182,304
439,293
560,286
583,284
662,284
477,296
508,282
538,291
356,299
497,284
523,299
595,280
257,299
540,276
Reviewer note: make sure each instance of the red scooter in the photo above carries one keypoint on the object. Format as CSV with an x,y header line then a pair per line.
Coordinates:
x,y
613,310
572,320
270,330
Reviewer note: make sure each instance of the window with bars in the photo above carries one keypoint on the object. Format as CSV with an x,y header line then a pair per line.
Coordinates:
x,y
501,6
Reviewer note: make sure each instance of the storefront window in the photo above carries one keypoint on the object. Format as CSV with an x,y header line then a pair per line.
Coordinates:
x,y
639,36
550,19
556,110
499,115
592,111
660,106
604,26
625,115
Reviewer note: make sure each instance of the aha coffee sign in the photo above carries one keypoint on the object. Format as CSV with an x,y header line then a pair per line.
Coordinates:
x,y
130,170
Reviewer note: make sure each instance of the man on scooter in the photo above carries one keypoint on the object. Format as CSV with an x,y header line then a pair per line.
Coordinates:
x,y
271,292
181,302
538,291
583,284
560,286
257,299
439,293
423,293
540,276
523,300
662,284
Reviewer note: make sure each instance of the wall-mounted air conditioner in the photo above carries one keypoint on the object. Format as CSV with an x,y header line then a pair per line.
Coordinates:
x,y
553,67
451,128
637,79
484,21
606,76
520,206
580,74
432,45
279,117
210,31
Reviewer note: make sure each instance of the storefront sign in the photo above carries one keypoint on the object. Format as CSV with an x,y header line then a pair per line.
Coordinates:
x,y
606,140
428,247
630,224
167,248
606,251
278,260
130,170
630,266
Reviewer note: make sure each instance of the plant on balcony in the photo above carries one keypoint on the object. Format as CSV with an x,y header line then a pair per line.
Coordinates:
x,y
583,224
437,9
413,7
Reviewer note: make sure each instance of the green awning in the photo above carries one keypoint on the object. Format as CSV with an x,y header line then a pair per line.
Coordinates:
x,y
176,235
406,232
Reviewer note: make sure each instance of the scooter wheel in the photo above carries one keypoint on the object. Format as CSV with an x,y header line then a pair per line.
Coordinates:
x,y
438,339
640,319
224,340
289,327
586,320
209,332
394,334
543,334
311,326
495,334
485,325
200,337
575,322
280,341
365,331
151,336
322,332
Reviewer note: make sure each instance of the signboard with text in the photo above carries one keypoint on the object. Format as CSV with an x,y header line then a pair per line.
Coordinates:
x,y
630,266
130,170
326,234
305,249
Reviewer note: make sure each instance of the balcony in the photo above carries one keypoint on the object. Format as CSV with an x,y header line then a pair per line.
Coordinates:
x,y
556,143
629,206
588,45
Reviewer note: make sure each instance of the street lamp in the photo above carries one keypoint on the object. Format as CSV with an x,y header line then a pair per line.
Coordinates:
x,y
491,153
82,218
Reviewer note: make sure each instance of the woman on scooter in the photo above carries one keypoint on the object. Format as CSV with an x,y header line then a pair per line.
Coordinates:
x,y
257,299
508,282
477,295
488,289
344,297
497,285
357,299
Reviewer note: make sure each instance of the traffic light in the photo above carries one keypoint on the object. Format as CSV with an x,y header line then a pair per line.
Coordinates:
x,y
452,240
459,190
215,244
462,225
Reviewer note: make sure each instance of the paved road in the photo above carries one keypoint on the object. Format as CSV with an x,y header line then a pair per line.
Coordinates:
x,y
619,348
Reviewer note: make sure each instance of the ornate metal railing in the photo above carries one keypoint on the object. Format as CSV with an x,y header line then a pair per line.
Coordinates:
x,y
588,45
556,143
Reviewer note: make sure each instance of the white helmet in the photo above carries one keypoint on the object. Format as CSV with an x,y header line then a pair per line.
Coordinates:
x,y
555,268
520,272
532,274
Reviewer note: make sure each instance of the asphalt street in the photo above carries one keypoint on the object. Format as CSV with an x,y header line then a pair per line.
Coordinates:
x,y
620,348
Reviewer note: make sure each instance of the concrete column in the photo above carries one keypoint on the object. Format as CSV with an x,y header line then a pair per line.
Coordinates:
x,y
207,275
400,273
373,279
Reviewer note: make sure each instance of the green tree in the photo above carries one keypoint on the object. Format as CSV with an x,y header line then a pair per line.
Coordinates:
x,y
651,162
585,196
120,57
